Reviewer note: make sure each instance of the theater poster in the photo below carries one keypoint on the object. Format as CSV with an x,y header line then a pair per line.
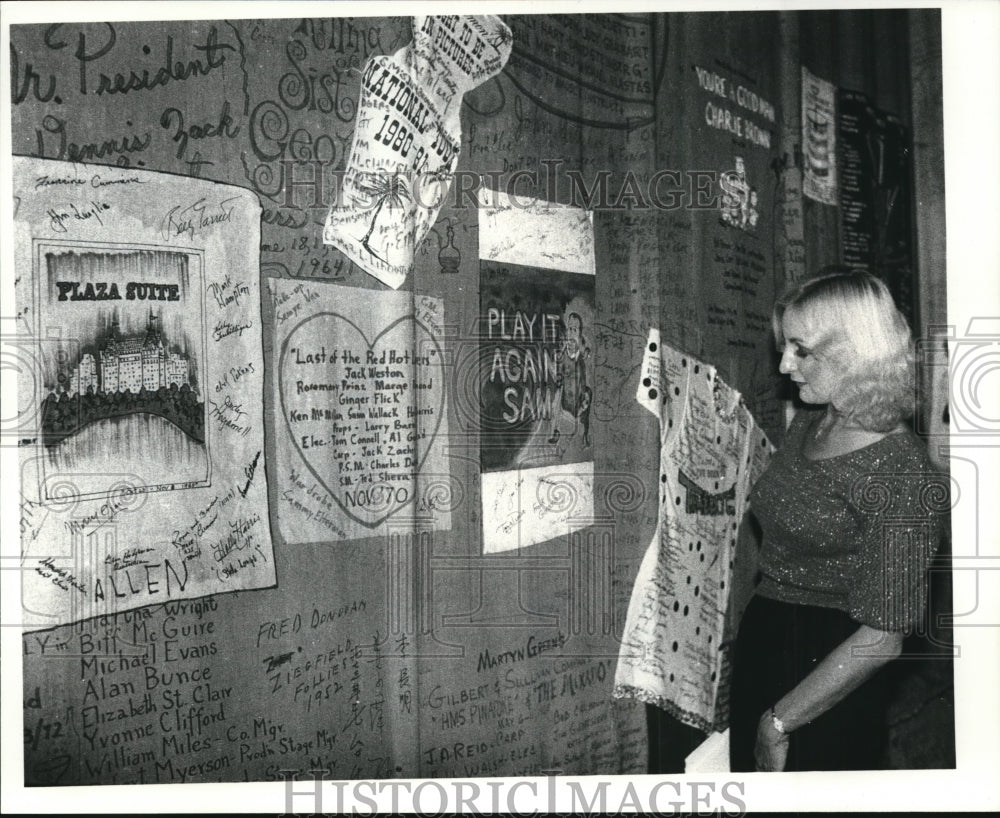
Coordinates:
x,y
536,335
140,390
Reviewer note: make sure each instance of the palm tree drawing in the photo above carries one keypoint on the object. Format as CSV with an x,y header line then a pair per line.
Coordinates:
x,y
382,188
501,37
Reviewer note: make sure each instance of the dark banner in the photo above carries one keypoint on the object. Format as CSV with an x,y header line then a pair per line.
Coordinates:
x,y
876,198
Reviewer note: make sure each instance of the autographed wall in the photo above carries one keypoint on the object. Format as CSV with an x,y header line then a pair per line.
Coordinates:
x,y
336,459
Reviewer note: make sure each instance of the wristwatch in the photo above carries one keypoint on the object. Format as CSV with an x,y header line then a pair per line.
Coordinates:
x,y
779,725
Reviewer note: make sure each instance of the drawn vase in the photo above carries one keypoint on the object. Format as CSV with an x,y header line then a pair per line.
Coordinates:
x,y
449,257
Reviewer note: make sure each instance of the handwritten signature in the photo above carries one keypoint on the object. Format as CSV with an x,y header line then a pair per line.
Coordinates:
x,y
224,329
228,415
249,472
58,216
196,217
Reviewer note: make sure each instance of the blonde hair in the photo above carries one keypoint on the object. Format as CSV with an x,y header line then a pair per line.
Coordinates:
x,y
864,336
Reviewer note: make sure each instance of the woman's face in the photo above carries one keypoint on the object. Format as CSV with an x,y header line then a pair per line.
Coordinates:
x,y
816,375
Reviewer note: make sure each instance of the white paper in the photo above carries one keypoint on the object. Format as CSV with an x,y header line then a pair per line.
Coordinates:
x,y
711,756
535,233
528,506
819,138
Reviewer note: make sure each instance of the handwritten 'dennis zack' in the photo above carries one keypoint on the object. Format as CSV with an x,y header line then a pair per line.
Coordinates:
x,y
103,291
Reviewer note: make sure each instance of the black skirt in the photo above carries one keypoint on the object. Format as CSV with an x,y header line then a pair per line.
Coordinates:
x,y
777,646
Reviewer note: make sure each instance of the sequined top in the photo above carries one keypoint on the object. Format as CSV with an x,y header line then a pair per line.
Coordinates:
x,y
854,532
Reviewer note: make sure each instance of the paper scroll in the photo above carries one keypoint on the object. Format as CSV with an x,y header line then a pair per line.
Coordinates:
x,y
407,138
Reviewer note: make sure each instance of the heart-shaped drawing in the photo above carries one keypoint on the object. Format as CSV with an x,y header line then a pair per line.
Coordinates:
x,y
321,426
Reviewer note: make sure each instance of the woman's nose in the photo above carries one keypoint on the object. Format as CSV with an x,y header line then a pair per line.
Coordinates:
x,y
787,364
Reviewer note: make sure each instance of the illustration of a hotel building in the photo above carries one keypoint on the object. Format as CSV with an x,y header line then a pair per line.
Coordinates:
x,y
131,363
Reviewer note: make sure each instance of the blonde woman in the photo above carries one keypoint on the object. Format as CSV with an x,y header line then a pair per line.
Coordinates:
x,y
851,511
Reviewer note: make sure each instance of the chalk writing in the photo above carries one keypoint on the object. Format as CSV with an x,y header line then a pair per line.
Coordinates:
x,y
721,118
488,728
89,51
615,77
173,119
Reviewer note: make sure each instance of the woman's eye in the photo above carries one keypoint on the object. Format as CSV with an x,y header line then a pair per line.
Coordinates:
x,y
801,352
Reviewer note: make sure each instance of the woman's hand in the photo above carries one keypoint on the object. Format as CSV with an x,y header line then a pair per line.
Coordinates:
x,y
771,750
843,670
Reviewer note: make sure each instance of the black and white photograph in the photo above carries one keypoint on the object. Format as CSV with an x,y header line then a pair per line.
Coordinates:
x,y
500,407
